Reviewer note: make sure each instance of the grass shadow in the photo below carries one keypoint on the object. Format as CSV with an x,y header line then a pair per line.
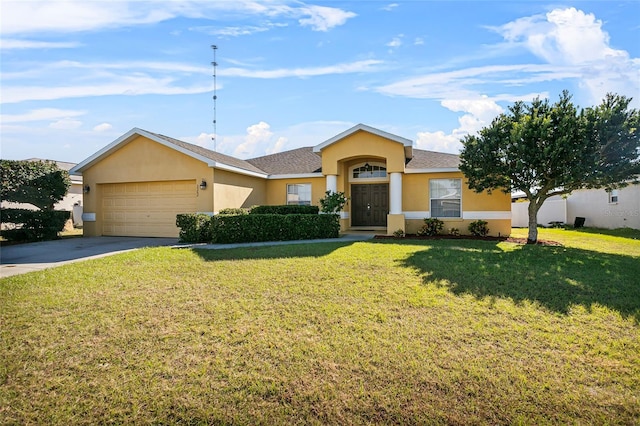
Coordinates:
x,y
312,249
557,278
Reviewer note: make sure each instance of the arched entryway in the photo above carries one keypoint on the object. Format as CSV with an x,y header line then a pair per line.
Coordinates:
x,y
369,194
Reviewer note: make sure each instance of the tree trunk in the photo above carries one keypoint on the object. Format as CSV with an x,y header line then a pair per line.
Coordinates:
x,y
532,238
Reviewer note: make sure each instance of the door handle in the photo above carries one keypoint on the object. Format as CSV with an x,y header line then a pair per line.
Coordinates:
x,y
368,206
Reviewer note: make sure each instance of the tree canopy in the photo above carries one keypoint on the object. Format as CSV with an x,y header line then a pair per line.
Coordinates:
x,y
545,149
41,183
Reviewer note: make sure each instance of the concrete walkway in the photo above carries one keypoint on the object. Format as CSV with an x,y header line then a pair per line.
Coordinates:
x,y
23,258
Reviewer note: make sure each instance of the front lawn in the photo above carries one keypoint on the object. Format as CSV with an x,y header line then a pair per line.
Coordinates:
x,y
379,332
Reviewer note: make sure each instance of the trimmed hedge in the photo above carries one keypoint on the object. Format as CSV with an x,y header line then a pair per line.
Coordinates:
x,y
224,229
33,225
285,209
273,227
194,227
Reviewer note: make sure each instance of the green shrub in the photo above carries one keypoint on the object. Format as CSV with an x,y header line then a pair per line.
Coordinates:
x,y
41,183
233,211
333,202
432,226
33,225
273,227
399,233
285,209
479,228
194,227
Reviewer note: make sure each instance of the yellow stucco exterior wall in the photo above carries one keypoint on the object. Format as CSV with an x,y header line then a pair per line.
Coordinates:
x,y
416,199
363,144
233,190
277,189
142,160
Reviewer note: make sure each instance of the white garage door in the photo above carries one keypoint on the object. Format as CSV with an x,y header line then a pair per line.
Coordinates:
x,y
146,209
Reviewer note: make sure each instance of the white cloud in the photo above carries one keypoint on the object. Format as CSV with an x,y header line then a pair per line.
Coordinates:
x,y
439,141
571,45
260,139
127,86
68,16
322,18
232,31
7,44
42,114
418,41
390,7
572,39
66,124
466,83
479,113
395,42
368,65
205,140
258,136
143,78
102,127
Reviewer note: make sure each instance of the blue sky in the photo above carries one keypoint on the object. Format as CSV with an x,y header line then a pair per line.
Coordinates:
x,y
76,75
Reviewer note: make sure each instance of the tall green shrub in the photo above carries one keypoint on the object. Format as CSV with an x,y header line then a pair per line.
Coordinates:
x,y
33,225
41,184
194,227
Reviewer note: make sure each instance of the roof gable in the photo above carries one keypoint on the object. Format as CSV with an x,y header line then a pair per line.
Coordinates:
x,y
407,143
211,158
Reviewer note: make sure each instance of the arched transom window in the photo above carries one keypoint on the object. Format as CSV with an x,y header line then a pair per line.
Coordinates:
x,y
369,171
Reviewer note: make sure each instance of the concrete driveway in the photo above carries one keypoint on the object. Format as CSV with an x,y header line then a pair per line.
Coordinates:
x,y
23,258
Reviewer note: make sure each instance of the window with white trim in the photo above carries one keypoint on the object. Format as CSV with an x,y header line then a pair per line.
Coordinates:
x,y
445,197
299,193
613,196
369,171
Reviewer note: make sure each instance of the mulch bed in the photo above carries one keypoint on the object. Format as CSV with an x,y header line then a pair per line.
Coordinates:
x,y
466,237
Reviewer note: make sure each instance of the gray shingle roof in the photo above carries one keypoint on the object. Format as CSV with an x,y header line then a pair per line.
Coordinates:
x,y
212,155
296,161
432,160
304,160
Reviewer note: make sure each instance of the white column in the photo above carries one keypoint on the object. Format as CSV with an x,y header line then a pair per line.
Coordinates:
x,y
395,193
332,183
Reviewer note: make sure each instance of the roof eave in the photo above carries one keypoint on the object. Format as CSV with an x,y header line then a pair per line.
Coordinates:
x,y
433,170
222,166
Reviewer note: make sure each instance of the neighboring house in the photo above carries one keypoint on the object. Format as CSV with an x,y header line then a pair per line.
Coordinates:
x,y
139,183
71,202
619,208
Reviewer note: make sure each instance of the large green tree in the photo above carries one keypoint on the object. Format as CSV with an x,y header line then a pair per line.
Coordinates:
x,y
41,183
545,149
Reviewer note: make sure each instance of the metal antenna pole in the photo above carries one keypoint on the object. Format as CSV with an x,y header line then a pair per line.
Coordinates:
x,y
215,97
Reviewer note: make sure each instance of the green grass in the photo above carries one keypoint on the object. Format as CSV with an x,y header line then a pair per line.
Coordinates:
x,y
613,241
381,332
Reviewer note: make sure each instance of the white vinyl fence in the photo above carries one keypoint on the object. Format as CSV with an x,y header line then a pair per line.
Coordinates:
x,y
553,210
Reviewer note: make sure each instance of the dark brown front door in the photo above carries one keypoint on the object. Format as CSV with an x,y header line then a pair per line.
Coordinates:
x,y
369,204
